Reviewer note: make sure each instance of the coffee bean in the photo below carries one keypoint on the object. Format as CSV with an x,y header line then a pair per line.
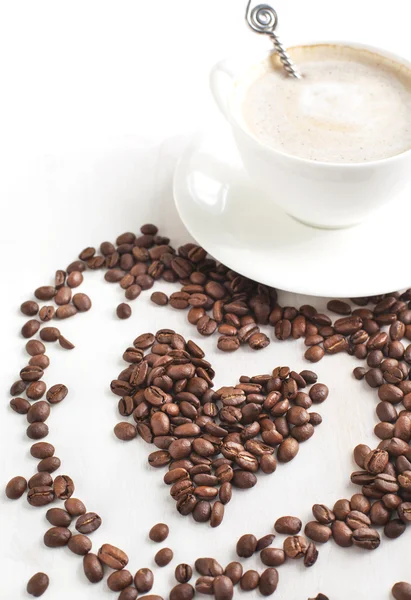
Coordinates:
x,y
268,581
74,279
37,431
57,393
74,507
20,405
129,593
18,387
88,522
223,588
228,343
158,533
394,529
401,591
65,343
314,354
39,412
37,584
265,541
311,555
323,514
272,557
93,568
30,328
29,308
40,479
16,488
56,537
159,298
249,581
208,566
46,292
50,334
40,360
40,496
288,525
287,450
63,487
246,545
31,373
366,538
234,571
205,585
125,431
49,464
317,532
143,580
339,307
35,391
163,557
183,573
217,514
82,302
58,517
79,544
119,580
34,347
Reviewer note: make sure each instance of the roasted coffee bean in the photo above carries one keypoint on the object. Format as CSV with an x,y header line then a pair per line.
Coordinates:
x,y
222,587
40,496
394,528
20,405
40,479
88,522
311,555
18,387
246,545
234,571
123,311
29,308
376,461
39,412
183,573
35,391
93,568
287,450
125,431
317,532
128,593
56,537
401,591
40,360
357,520
50,334
323,514
314,354
342,534
37,584
34,347
112,556
65,343
163,557
366,538
249,581
58,517
143,580
339,307
30,328
46,292
75,507
119,580
79,544
208,566
16,488
158,533
57,393
217,514
37,431
63,487
295,546
288,525
31,373
272,557
49,464
159,298
205,585
265,541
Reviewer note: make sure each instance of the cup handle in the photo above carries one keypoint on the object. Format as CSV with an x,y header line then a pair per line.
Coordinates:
x,y
222,78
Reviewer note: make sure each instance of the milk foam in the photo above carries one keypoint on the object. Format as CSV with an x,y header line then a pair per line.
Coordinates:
x,y
351,106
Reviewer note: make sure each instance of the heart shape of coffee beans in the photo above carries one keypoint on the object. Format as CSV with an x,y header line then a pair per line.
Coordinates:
x,y
211,440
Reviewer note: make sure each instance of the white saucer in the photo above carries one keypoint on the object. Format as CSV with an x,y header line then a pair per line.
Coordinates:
x,y
240,227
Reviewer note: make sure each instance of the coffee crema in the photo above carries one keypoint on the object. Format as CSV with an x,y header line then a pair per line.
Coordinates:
x,y
351,106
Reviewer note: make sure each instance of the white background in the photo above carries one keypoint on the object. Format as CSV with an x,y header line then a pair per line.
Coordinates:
x,y
98,100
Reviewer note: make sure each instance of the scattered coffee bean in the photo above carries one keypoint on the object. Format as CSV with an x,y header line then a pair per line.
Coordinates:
x,y
93,568
123,311
163,557
37,584
16,488
249,581
158,533
56,537
88,522
144,580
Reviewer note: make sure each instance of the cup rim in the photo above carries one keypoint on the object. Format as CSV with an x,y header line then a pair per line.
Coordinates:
x,y
308,161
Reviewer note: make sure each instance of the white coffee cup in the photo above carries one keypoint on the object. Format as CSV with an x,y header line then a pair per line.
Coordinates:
x,y
329,195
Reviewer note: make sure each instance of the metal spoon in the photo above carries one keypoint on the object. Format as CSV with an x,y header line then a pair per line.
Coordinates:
x,y
263,19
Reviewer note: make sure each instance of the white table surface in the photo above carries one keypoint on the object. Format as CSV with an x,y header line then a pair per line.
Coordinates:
x,y
98,100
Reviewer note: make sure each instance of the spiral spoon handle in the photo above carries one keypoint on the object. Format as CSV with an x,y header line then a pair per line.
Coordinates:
x,y
264,19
